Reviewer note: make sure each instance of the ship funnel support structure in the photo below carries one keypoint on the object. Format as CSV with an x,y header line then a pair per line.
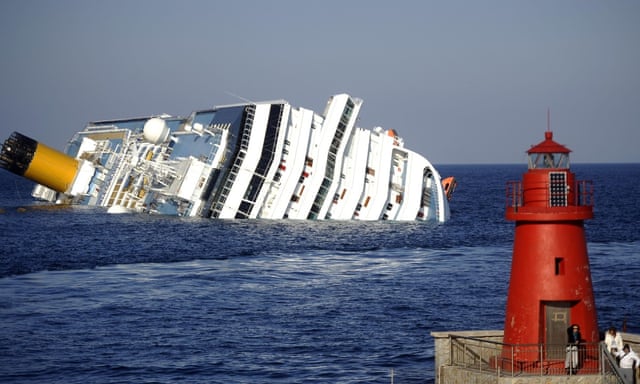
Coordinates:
x,y
37,162
550,287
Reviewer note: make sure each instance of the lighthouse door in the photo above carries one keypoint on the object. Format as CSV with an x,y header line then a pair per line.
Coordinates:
x,y
556,323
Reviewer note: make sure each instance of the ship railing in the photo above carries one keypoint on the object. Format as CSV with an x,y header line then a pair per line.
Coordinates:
x,y
98,127
519,360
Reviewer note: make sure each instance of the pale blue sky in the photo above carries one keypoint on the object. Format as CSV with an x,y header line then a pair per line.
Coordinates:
x,y
462,81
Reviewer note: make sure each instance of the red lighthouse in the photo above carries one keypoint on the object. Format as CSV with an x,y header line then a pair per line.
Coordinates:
x,y
550,287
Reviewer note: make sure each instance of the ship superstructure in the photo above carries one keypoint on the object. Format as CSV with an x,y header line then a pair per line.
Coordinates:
x,y
252,160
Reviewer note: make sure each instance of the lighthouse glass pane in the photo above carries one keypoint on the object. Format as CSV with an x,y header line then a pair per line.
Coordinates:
x,y
548,160
562,160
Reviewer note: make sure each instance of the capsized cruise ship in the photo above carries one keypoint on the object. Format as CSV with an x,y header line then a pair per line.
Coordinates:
x,y
264,160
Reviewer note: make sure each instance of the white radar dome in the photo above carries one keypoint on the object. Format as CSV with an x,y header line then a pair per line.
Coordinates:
x,y
155,130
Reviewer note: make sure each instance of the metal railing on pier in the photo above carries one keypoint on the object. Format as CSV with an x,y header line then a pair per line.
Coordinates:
x,y
511,360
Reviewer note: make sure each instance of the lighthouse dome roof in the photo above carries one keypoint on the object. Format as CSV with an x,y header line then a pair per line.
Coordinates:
x,y
548,145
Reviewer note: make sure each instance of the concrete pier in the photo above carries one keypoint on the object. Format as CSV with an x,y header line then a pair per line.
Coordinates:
x,y
463,357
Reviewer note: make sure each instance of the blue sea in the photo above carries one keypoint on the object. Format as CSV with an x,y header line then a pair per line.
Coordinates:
x,y
90,297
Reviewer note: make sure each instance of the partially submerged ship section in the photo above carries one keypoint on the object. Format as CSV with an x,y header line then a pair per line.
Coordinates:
x,y
252,160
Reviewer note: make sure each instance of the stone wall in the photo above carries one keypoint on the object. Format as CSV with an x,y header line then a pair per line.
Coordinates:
x,y
443,347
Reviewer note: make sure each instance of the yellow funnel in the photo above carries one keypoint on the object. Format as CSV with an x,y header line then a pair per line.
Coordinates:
x,y
52,168
38,162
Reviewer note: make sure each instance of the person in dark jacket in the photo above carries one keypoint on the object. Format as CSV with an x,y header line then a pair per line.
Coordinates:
x,y
574,334
572,361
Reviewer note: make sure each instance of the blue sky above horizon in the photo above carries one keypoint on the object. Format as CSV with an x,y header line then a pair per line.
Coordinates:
x,y
463,82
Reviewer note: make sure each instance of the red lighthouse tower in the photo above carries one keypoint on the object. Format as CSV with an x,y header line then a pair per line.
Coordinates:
x,y
550,287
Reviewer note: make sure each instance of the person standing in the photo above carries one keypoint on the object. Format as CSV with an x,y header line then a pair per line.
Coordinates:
x,y
572,362
629,362
613,340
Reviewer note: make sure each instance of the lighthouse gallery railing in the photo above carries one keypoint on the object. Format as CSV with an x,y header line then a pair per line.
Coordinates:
x,y
582,195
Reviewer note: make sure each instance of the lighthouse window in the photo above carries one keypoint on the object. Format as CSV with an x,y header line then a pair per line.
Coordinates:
x,y
559,266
